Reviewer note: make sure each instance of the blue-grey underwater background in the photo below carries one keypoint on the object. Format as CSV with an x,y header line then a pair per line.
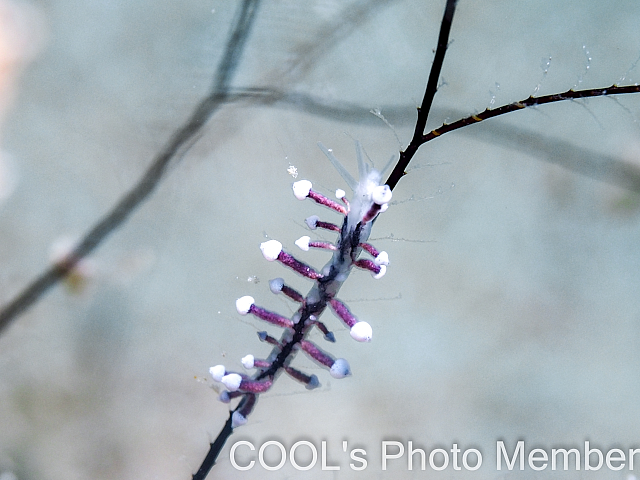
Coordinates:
x,y
510,310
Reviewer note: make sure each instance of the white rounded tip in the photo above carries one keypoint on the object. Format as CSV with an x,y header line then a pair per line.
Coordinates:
x,y
312,222
313,383
217,372
237,420
276,285
301,189
384,207
303,243
361,332
232,381
243,304
380,274
271,249
340,368
224,397
382,259
340,194
248,361
381,194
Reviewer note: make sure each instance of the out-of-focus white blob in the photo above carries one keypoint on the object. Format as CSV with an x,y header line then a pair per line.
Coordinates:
x,y
82,272
22,35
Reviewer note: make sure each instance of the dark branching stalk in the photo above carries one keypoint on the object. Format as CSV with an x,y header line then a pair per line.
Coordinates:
x,y
215,449
177,145
420,138
429,94
528,102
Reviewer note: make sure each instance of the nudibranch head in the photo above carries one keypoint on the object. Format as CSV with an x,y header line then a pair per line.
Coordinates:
x,y
367,191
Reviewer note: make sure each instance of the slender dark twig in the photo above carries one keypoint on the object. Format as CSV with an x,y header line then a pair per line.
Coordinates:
x,y
177,145
216,446
528,102
214,450
430,92
420,138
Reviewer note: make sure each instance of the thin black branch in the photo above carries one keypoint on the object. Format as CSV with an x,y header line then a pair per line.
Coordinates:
x,y
177,144
407,155
214,450
421,138
529,102
430,92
